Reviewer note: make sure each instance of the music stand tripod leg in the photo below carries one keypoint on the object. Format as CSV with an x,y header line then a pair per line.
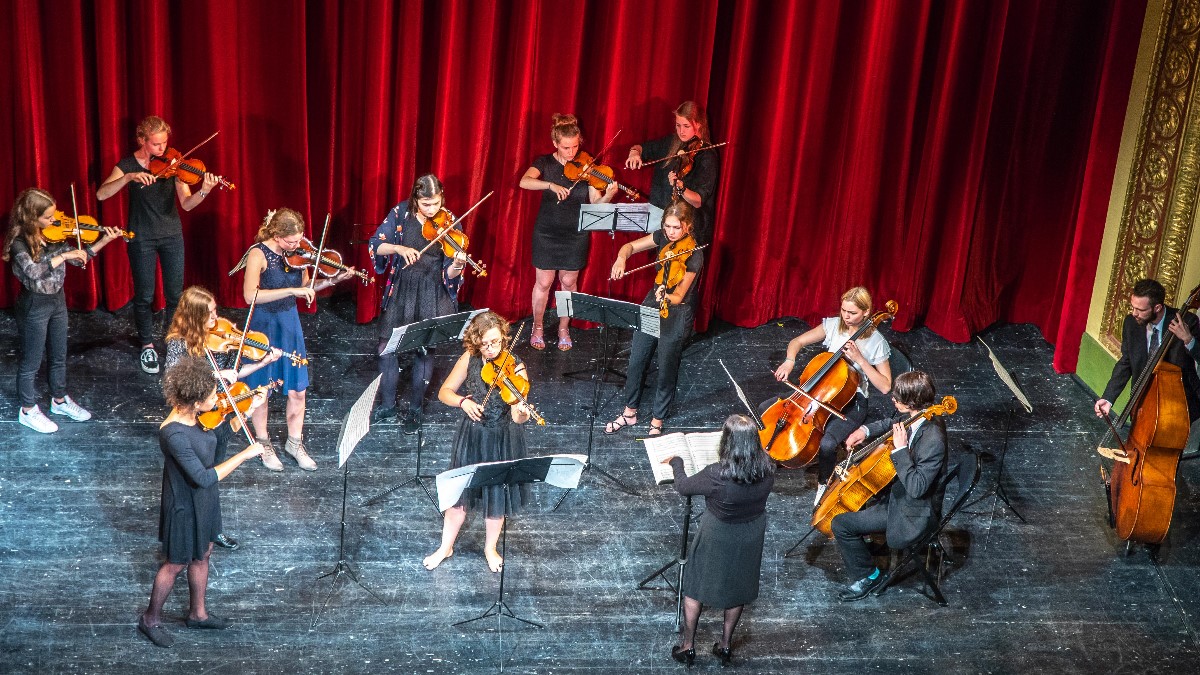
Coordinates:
x,y
417,478
342,566
997,488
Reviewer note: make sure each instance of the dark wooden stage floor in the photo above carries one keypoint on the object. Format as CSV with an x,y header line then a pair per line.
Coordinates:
x,y
78,518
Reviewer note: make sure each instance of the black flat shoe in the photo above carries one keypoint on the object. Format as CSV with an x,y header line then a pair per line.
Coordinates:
x,y
411,423
225,541
213,622
726,654
380,415
156,634
860,589
684,656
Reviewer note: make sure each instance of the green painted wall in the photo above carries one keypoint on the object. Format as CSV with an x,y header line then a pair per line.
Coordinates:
x,y
1095,367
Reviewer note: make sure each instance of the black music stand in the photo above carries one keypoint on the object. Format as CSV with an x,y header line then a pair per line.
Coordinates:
x,y
1017,398
516,472
641,217
413,337
644,584
606,312
355,425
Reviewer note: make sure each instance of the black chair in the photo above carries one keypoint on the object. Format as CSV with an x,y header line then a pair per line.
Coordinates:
x,y
965,476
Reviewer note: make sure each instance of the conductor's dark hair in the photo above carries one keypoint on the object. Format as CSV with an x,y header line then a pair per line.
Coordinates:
x,y
426,187
740,456
914,389
1151,290
188,382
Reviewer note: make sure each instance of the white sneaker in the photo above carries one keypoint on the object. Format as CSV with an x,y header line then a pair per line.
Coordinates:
x,y
149,360
70,409
34,419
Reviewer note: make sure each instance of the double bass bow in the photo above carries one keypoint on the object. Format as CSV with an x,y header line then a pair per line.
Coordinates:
x,y
867,471
1141,485
794,425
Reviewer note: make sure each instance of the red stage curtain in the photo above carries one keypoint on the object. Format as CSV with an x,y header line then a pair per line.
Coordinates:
x,y
955,156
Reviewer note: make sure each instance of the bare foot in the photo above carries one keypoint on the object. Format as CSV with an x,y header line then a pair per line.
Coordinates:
x,y
494,561
434,559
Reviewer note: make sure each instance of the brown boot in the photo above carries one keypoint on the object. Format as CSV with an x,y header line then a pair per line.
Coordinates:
x,y
269,458
298,453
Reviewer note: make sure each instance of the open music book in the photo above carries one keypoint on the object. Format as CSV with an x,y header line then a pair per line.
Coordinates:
x,y
697,451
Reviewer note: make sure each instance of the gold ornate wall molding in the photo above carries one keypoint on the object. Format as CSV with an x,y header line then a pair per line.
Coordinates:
x,y
1160,203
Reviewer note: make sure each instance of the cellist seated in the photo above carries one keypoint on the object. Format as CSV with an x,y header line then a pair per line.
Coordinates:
x,y
909,505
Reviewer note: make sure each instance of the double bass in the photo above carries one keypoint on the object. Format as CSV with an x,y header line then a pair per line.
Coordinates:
x,y
793,426
866,472
1141,485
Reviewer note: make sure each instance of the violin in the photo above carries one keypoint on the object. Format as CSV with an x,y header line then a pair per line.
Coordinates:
x,y
794,425
331,261
87,229
441,229
225,337
672,262
598,176
1141,487
240,396
189,171
866,472
500,373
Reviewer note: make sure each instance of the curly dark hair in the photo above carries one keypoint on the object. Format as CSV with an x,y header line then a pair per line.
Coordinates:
x,y
473,338
188,382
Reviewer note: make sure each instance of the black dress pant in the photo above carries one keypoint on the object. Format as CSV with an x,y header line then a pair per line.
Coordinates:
x,y
848,530
673,332
389,382
42,324
144,258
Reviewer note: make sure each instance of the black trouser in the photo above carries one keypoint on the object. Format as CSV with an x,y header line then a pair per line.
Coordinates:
x,y
144,258
389,382
42,325
848,530
673,332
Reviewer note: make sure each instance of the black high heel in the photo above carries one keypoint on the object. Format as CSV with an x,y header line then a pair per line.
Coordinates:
x,y
726,654
684,656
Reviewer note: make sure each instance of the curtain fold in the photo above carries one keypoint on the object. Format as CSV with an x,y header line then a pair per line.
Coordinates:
x,y
953,155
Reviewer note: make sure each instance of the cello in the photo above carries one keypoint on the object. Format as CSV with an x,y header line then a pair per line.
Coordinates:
x,y
1141,486
866,472
793,426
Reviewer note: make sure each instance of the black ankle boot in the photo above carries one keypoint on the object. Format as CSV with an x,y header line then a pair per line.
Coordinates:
x,y
684,656
726,654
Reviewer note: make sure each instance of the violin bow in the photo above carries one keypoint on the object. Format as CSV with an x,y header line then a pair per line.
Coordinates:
x,y
686,152
188,153
225,388
665,259
78,239
451,226
507,352
588,167
312,280
237,360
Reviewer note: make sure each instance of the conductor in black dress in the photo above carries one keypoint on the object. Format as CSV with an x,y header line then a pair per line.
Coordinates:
x,y
1142,333
725,556
559,248
190,516
907,508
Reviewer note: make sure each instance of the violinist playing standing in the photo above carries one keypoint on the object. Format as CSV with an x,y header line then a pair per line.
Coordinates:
x,y
911,504
677,300
868,355
692,178
419,286
489,431
154,220
559,248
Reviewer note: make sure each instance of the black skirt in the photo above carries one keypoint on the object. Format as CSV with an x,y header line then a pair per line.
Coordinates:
x,y
475,443
724,561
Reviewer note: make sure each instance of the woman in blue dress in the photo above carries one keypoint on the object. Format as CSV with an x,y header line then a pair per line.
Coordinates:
x,y
277,285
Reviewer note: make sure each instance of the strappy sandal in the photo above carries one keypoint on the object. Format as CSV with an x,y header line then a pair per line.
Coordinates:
x,y
655,430
620,423
564,340
536,339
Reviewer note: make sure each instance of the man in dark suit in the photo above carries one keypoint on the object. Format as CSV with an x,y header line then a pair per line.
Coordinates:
x,y
1142,333
912,503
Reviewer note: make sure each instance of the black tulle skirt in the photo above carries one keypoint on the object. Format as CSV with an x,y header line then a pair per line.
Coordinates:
x,y
475,443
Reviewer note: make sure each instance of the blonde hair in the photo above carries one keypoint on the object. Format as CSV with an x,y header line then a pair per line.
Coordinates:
x,y
23,221
861,298
692,112
152,125
684,212
191,319
473,337
280,223
564,126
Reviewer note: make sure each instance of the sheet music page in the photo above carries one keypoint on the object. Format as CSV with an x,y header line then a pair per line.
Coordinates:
x,y
566,470
659,448
467,323
394,341
562,300
704,447
650,320
357,422
450,485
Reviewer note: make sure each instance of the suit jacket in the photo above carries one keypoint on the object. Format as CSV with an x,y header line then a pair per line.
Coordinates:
x,y
914,501
1134,358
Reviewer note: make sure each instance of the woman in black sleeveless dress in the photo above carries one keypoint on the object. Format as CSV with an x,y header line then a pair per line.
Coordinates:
x,y
486,433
